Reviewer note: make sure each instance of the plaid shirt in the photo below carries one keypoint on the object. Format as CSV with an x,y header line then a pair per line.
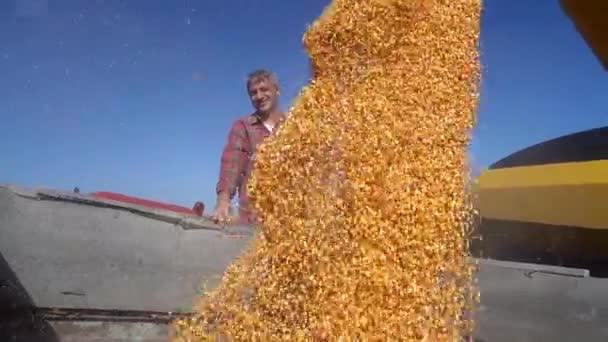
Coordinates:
x,y
236,163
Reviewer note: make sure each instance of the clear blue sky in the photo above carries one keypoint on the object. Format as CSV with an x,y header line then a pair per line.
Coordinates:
x,y
137,96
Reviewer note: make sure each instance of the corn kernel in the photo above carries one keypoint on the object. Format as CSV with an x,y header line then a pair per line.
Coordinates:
x,y
361,193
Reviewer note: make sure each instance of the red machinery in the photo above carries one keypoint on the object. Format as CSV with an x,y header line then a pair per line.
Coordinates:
x,y
197,210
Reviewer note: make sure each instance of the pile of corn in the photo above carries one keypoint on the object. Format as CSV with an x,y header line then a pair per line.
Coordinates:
x,y
361,193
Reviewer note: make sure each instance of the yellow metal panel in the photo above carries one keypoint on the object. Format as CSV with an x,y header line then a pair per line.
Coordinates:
x,y
569,194
578,173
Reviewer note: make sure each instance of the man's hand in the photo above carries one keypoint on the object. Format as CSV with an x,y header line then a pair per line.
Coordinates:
x,y
221,212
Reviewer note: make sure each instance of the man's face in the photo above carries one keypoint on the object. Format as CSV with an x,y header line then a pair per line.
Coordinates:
x,y
263,94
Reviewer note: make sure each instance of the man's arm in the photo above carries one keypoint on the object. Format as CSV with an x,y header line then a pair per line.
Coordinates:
x,y
234,158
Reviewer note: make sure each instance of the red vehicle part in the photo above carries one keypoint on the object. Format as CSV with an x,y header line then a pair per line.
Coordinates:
x,y
196,211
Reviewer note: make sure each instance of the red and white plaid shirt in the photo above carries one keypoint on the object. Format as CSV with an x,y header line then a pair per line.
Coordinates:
x,y
236,163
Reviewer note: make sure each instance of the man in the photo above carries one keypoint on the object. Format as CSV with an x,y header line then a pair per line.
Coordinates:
x,y
245,135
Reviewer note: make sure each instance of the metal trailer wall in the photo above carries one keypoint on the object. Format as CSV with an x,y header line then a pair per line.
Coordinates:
x,y
117,275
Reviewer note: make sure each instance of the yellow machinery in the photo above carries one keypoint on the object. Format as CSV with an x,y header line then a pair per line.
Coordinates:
x,y
548,203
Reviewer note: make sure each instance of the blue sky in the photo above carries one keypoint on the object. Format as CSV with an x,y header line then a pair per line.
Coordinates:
x,y
137,96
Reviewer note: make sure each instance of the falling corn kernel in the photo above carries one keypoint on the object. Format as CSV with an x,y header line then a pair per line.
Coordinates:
x,y
361,193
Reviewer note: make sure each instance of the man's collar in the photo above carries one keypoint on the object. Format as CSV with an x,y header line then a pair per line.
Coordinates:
x,y
255,118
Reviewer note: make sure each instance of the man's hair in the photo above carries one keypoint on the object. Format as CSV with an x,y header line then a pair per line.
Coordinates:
x,y
261,75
